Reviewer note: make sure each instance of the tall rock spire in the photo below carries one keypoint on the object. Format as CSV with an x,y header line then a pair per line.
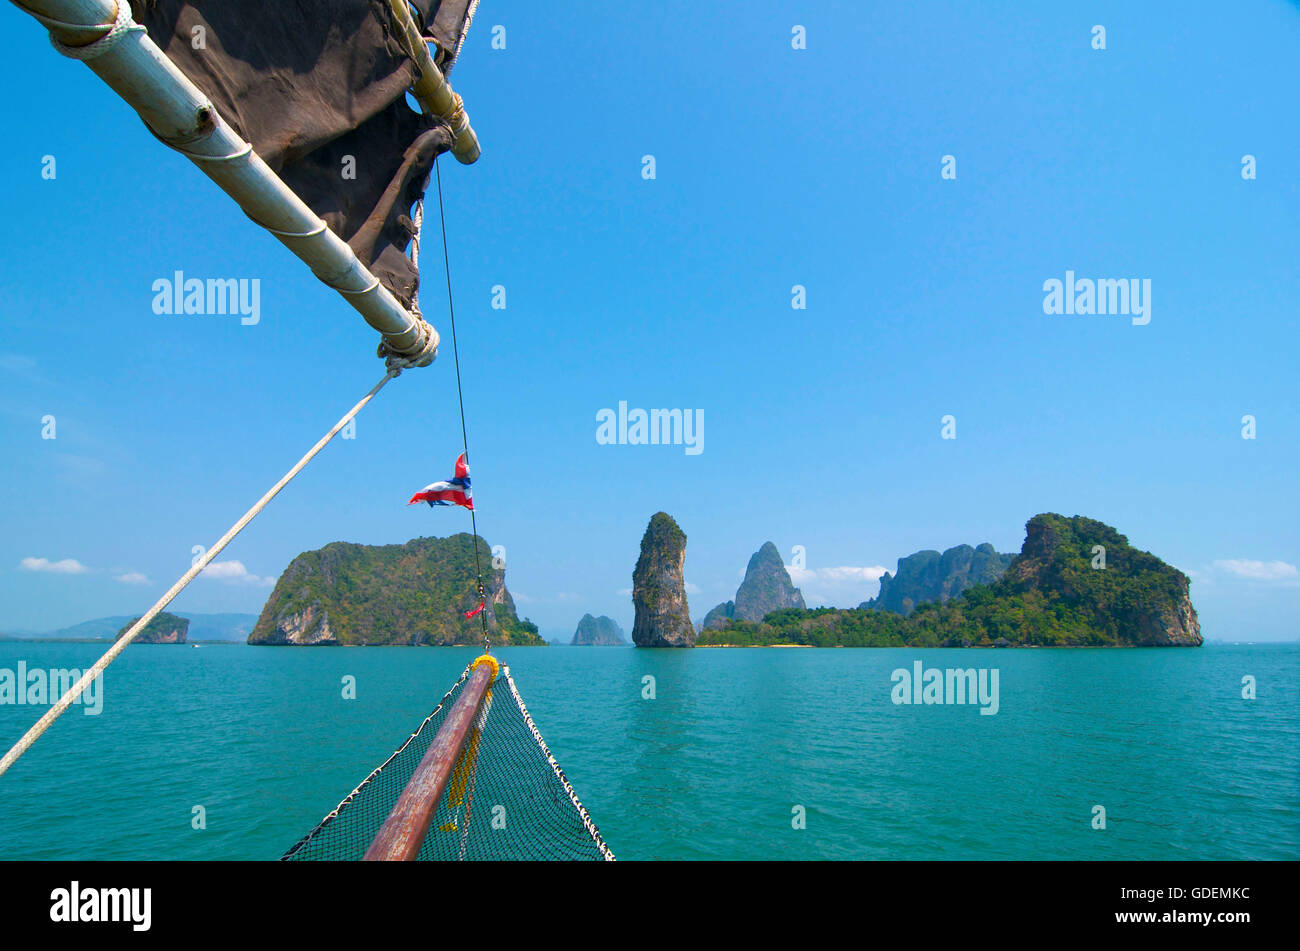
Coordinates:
x,y
663,618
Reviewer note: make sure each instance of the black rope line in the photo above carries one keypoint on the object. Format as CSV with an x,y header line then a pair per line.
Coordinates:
x,y
460,398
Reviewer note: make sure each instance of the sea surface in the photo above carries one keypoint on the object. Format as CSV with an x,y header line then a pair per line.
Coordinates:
x,y
734,747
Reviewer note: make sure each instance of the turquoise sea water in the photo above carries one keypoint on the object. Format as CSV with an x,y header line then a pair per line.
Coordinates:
x,y
713,767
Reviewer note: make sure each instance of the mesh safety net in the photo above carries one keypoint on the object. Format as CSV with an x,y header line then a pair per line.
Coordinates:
x,y
507,797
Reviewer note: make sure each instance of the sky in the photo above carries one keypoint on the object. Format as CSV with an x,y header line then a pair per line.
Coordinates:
x,y
774,167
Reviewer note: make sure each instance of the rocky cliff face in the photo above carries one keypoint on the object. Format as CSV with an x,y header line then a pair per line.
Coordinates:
x,y
1130,594
1170,626
767,587
163,629
598,632
1076,583
309,627
930,576
415,594
659,588
719,616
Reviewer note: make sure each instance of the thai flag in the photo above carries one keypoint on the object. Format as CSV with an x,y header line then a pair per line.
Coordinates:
x,y
455,491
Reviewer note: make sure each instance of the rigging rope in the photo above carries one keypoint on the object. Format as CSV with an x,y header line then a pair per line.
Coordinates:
x,y
75,691
524,807
122,25
460,398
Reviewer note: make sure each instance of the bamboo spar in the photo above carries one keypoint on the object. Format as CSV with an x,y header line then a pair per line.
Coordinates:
x,y
400,837
432,90
181,115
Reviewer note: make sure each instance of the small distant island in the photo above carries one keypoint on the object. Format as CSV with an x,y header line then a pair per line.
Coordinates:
x,y
217,628
598,632
165,628
1076,582
413,594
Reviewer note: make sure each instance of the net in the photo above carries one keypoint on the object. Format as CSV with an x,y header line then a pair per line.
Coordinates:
x,y
507,798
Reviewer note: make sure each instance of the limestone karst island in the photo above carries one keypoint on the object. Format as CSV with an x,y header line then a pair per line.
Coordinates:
x,y
1076,582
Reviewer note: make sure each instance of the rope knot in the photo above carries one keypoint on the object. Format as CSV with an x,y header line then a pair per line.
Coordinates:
x,y
421,355
122,25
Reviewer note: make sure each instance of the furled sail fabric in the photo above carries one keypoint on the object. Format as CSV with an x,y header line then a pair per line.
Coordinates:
x,y
319,89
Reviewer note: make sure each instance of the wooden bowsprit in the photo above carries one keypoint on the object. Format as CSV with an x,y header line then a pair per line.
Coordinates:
x,y
403,832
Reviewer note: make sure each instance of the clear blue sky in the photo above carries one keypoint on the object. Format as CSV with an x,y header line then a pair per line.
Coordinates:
x,y
775,167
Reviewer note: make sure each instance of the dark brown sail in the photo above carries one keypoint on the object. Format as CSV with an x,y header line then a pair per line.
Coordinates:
x,y
319,89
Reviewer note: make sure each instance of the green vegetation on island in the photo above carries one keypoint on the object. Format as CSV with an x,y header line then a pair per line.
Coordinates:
x,y
1076,583
600,631
663,617
165,628
412,594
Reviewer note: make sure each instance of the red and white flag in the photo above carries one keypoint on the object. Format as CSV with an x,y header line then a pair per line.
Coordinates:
x,y
454,491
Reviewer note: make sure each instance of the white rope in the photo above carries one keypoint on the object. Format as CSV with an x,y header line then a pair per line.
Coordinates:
x,y
75,691
464,32
417,222
605,852
120,28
